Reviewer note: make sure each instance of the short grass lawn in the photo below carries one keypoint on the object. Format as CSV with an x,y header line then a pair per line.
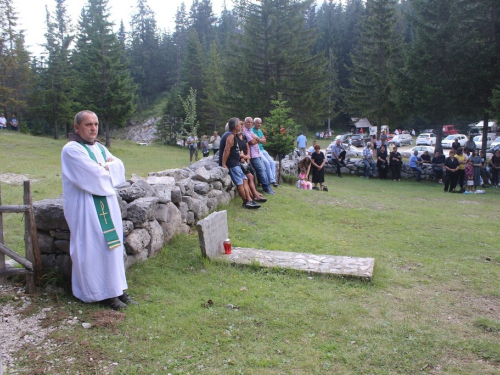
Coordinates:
x,y
433,306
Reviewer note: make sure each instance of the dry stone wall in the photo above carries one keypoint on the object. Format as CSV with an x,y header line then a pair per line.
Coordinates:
x,y
154,209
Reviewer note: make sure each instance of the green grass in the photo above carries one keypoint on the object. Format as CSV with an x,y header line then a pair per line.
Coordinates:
x,y
432,306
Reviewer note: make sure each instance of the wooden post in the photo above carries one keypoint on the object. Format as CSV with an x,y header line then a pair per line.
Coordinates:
x,y
3,279
31,242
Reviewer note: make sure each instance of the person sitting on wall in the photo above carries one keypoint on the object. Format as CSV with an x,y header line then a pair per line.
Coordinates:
x,y
415,163
426,158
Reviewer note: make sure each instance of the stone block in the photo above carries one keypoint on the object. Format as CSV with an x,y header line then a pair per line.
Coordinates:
x,y
163,192
161,180
177,174
60,234
187,186
128,227
201,174
145,186
142,210
135,258
212,231
137,242
49,214
217,185
183,208
156,233
162,213
45,242
62,245
201,187
190,218
60,262
123,206
227,183
176,194
189,201
132,193
172,226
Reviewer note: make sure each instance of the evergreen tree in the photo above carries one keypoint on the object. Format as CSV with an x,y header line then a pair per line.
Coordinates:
x,y
104,85
281,131
213,105
145,61
15,71
56,80
375,64
180,36
274,55
190,124
202,19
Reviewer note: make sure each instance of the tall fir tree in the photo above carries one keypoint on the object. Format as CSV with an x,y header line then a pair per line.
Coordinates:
x,y
375,64
15,73
202,19
57,79
273,54
104,85
180,35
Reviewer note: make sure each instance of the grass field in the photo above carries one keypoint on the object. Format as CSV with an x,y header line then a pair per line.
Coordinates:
x,y
433,305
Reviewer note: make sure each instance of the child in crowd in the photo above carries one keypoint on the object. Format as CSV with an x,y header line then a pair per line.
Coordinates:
x,y
204,146
303,183
469,176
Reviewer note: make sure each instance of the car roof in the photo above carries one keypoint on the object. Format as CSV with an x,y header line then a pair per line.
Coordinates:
x,y
425,134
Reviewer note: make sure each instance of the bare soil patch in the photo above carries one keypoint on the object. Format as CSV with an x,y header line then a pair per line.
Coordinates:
x,y
14,178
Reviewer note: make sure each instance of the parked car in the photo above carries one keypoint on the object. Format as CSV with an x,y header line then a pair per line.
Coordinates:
x,y
402,139
344,138
359,140
495,142
478,140
351,151
446,143
421,150
429,131
474,131
449,130
428,139
491,151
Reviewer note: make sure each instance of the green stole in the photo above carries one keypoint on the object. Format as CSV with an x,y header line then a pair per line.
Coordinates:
x,y
101,205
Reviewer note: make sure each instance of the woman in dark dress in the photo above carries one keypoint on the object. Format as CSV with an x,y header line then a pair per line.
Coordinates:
x,y
451,166
318,161
437,166
396,161
382,162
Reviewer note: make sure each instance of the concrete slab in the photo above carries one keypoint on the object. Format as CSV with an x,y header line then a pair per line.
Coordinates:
x,y
321,264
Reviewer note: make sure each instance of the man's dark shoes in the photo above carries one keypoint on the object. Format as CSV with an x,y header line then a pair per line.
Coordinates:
x,y
251,204
125,298
275,184
114,303
270,192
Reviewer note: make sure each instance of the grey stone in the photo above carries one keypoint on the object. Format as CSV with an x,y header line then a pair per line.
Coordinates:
x,y
208,163
156,233
212,231
190,218
161,180
201,187
176,194
60,234
135,258
217,185
227,183
130,194
183,208
125,184
217,174
201,174
59,262
137,242
321,264
45,242
163,192
189,201
187,186
49,214
123,206
173,224
134,178
177,174
212,204
142,210
162,213
144,185
128,227
62,245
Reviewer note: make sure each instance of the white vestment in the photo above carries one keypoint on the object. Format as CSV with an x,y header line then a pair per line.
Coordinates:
x,y
98,273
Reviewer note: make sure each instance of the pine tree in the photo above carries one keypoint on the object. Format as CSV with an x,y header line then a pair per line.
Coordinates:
x,y
190,124
281,131
375,64
202,19
56,88
104,83
180,36
15,71
213,105
274,55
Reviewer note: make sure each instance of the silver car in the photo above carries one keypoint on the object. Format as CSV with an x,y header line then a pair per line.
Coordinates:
x,y
402,139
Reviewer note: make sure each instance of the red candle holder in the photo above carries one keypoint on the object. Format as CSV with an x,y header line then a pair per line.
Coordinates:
x,y
227,246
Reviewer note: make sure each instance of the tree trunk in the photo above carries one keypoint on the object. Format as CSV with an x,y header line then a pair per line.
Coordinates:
x,y
108,140
278,179
56,130
439,137
68,129
486,120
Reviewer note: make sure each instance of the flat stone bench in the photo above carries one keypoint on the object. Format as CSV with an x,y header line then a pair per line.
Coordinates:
x,y
213,230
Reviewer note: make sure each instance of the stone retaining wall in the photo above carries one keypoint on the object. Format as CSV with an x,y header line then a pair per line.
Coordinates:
x,y
154,209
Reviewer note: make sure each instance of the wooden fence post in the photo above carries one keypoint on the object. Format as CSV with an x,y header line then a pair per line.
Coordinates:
x,y
31,242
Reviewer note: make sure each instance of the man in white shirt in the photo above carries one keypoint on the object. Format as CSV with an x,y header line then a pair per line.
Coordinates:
x,y
3,122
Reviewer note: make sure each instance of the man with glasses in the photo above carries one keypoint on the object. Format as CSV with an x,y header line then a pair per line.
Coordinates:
x,y
266,158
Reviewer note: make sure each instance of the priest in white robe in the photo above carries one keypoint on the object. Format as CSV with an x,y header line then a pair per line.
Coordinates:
x,y
98,273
